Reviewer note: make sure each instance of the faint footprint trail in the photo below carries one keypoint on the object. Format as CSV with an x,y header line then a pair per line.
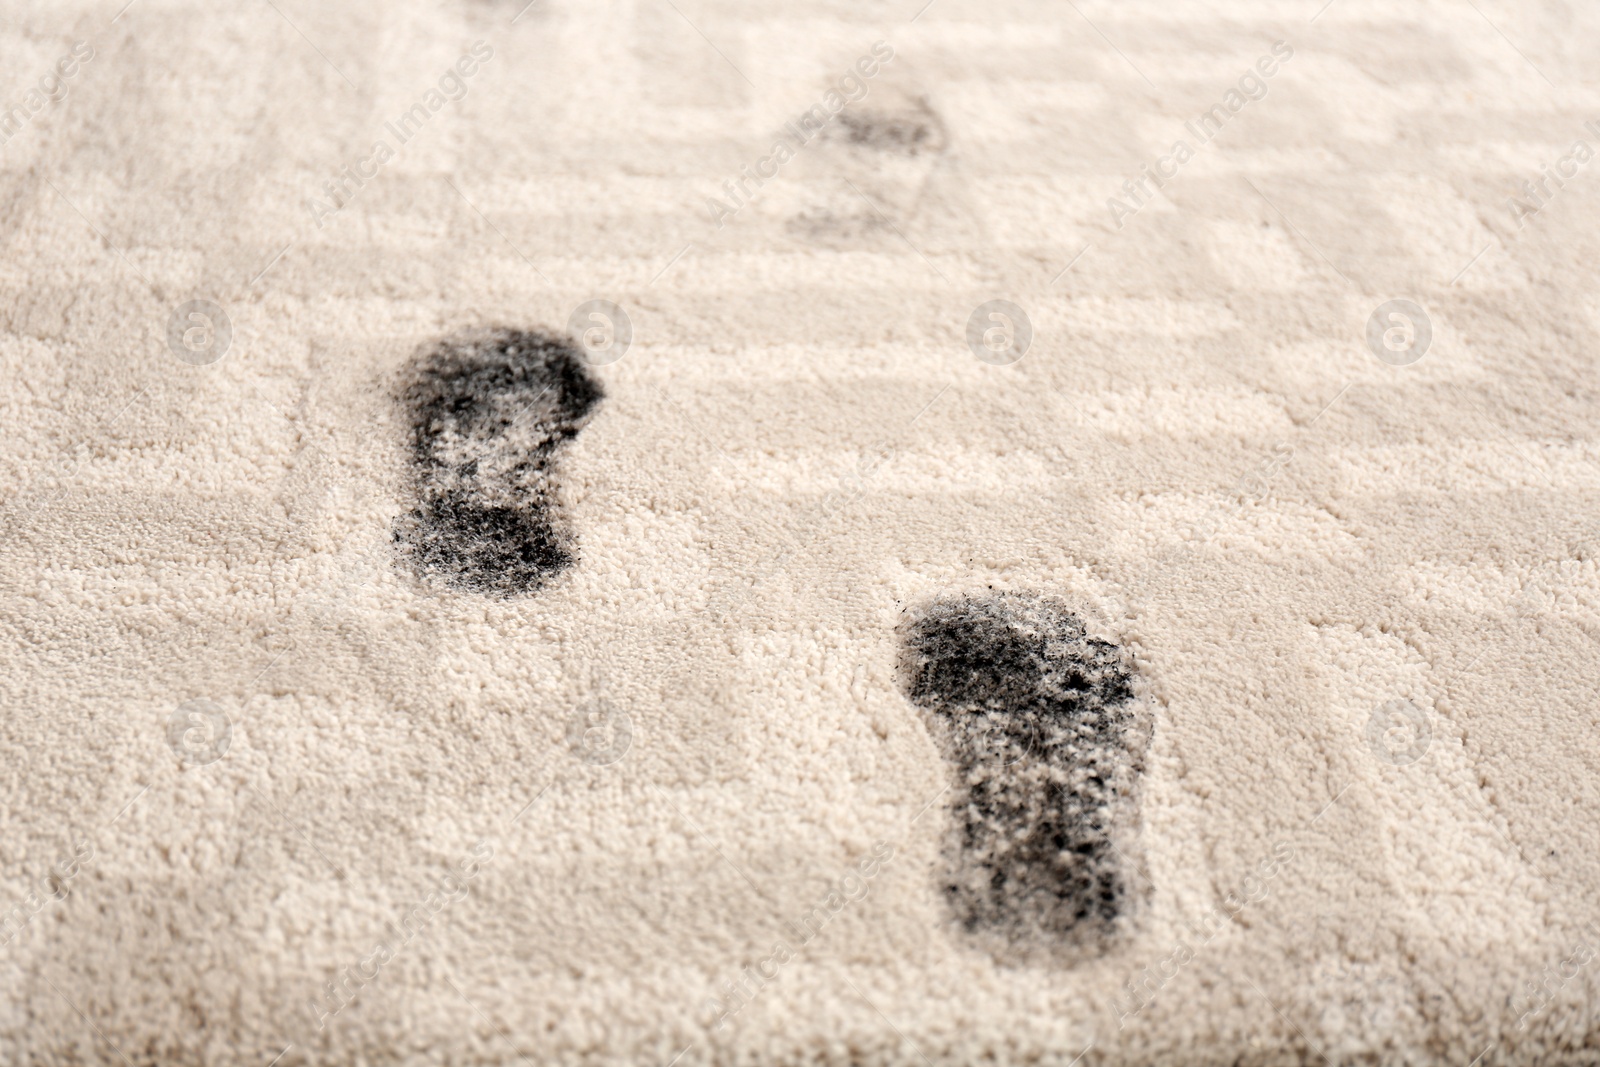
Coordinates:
x,y
1039,722
874,170
490,410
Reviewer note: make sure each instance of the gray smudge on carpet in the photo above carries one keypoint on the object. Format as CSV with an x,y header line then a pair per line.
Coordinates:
x,y
1038,722
490,410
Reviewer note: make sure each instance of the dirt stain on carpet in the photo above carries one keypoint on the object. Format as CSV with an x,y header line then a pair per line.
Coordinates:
x,y
490,411
1037,720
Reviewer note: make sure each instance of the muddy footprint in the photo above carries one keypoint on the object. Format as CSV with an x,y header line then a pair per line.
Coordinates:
x,y
1038,721
490,411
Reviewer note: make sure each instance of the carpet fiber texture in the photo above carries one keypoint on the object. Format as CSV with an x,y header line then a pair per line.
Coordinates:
x,y
679,532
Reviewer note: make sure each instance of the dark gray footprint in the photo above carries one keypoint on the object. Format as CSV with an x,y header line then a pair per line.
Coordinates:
x,y
490,411
1038,720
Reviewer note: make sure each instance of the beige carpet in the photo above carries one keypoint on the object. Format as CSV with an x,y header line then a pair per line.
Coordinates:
x,y
527,538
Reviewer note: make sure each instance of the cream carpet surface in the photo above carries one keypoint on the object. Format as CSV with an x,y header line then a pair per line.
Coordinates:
x,y
681,532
